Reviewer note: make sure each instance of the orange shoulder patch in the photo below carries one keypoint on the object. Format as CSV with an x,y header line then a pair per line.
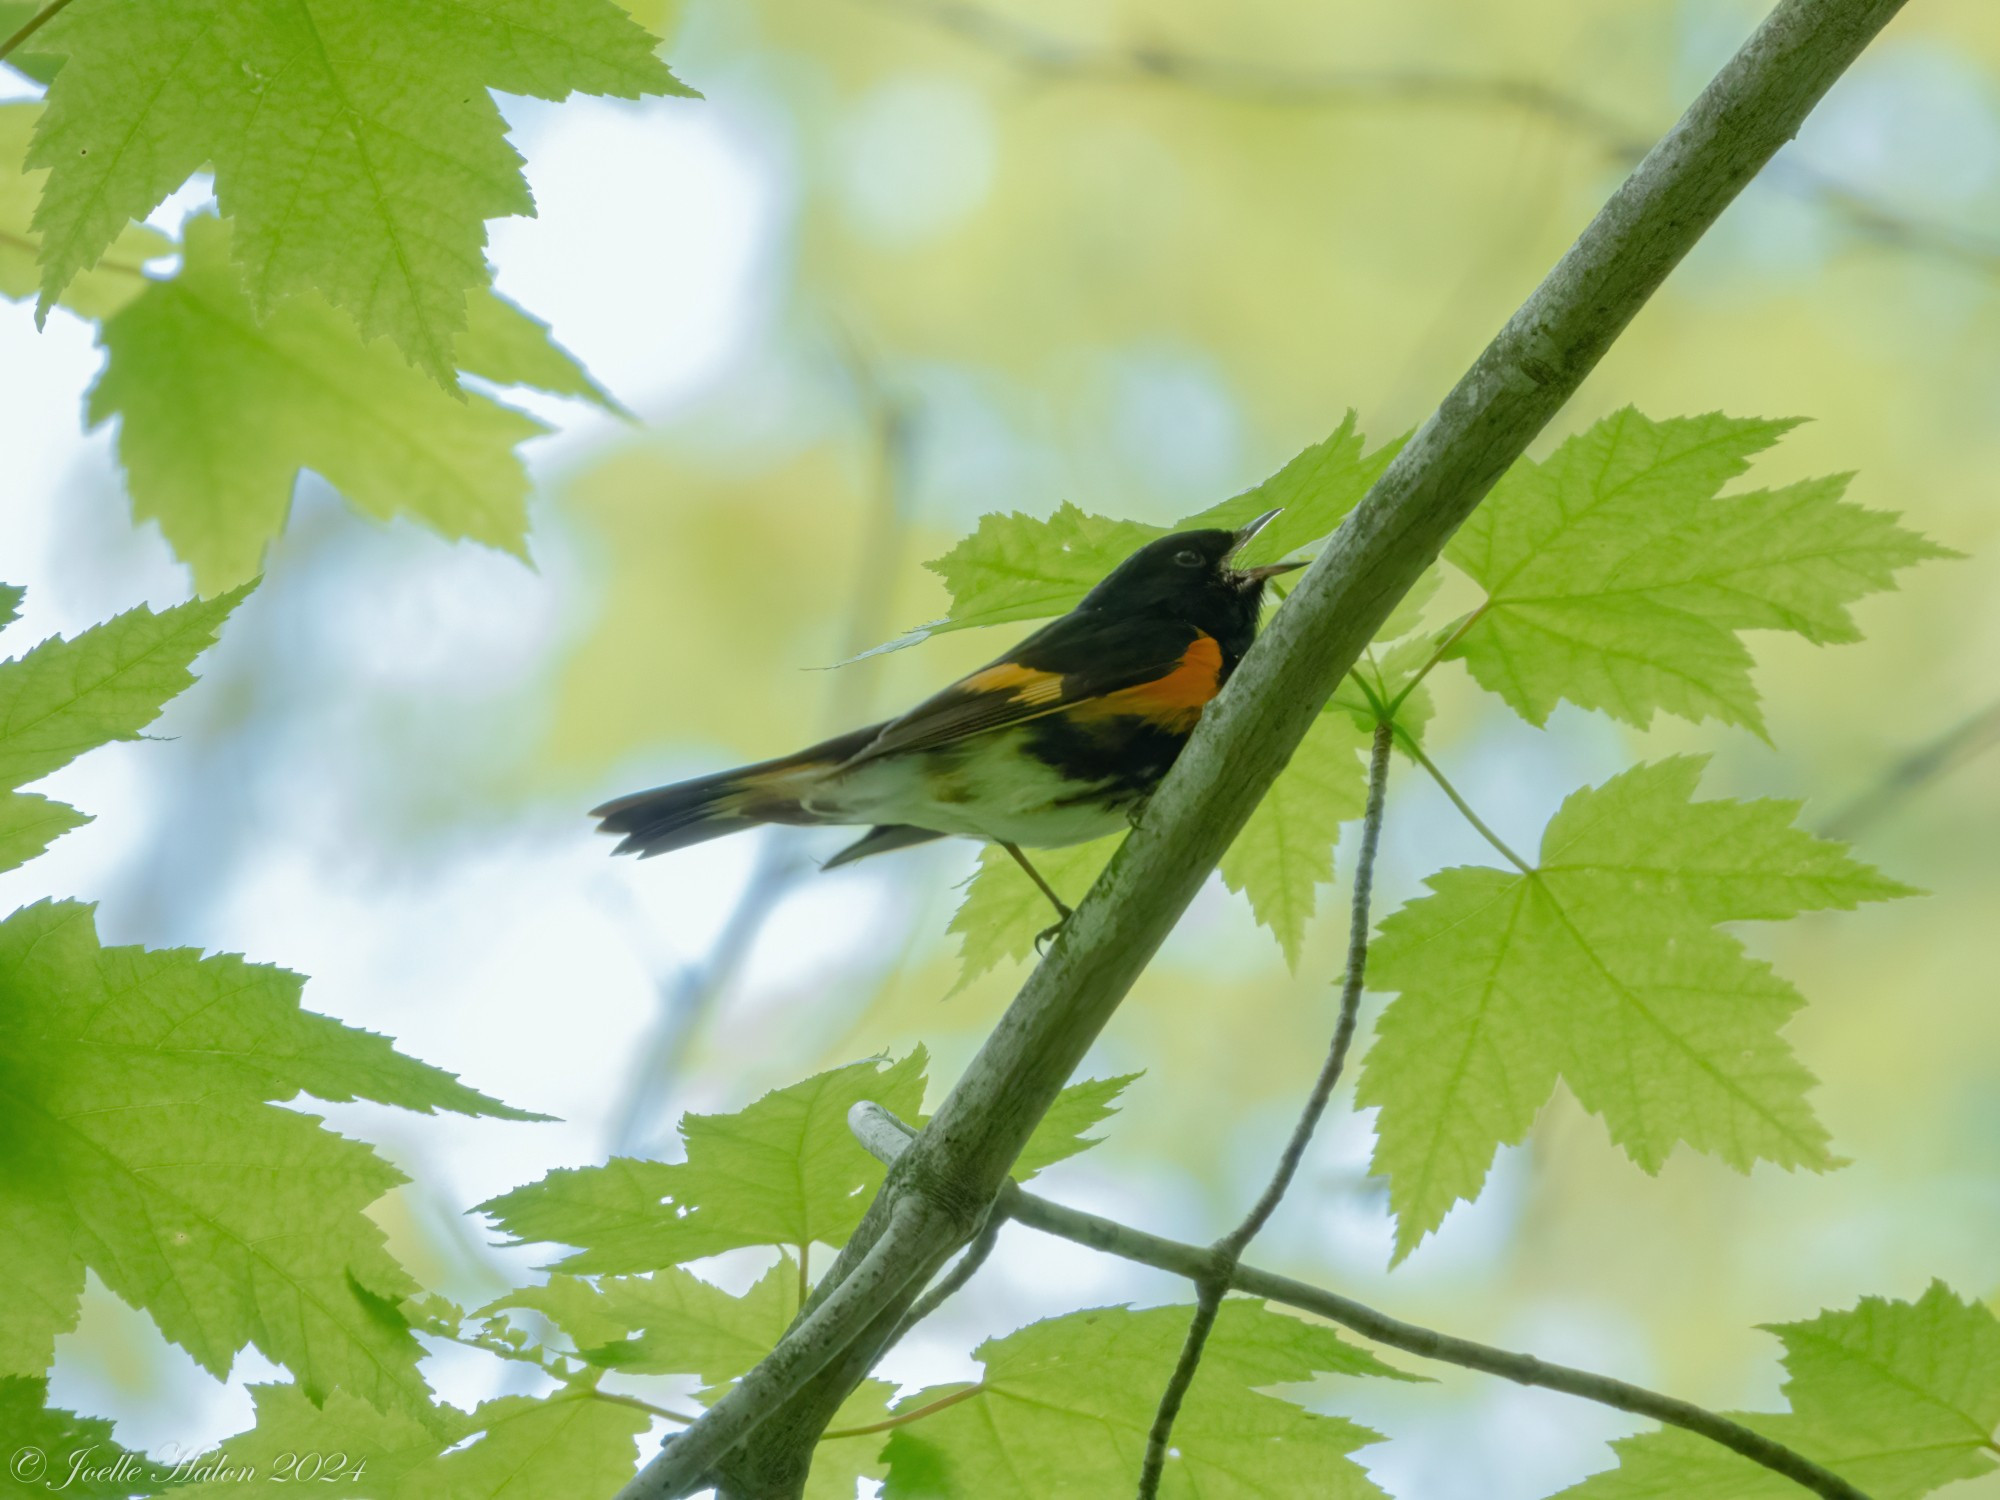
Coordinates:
x,y
1174,700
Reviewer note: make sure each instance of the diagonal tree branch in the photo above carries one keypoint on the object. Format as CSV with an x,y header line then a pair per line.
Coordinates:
x,y
937,1195
886,1137
1227,1252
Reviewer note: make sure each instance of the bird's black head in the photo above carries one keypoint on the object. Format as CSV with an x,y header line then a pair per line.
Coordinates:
x,y
1189,576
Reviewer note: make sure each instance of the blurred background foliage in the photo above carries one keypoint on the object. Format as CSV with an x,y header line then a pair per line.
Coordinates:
x,y
915,260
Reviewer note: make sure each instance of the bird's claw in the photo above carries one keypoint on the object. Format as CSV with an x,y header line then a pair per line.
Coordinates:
x,y
1048,934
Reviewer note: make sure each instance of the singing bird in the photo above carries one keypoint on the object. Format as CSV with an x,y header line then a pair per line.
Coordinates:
x,y
1057,742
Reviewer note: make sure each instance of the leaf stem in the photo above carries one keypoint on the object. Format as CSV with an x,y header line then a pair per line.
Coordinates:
x,y
805,1277
619,1398
902,1418
1227,1252
968,1264
1416,753
33,247
1438,655
33,24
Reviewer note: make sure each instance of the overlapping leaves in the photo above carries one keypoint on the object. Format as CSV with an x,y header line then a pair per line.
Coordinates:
x,y
1018,567
138,1091
1064,1406
1602,967
218,412
784,1171
357,146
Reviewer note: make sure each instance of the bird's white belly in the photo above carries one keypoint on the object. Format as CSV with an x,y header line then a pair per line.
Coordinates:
x,y
998,793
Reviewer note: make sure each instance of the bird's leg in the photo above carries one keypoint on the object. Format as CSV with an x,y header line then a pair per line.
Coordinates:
x,y
1062,911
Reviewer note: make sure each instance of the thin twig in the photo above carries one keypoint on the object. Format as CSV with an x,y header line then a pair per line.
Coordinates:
x,y
1963,742
689,998
967,1266
1228,1251
886,1138
904,1418
619,1398
34,24
1416,752
1523,1369
1047,57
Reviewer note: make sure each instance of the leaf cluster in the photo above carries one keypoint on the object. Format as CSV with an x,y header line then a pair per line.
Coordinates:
x,y
325,321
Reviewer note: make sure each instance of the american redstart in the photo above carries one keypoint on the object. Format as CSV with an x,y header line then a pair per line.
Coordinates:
x,y
1057,742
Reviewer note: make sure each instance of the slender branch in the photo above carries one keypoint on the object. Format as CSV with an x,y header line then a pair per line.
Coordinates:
x,y
952,1172
34,24
1964,741
689,995
1444,646
619,1398
1228,1251
1047,57
904,1418
1427,1343
700,985
34,247
1416,752
967,1267
888,1139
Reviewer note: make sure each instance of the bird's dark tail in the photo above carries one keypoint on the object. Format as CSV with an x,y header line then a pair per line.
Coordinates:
x,y
666,818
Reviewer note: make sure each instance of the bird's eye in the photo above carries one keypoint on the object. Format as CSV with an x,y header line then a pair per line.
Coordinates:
x,y
1187,557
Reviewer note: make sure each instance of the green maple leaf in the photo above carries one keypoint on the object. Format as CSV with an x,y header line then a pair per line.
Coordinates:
x,y
1065,1405
1900,1398
784,1171
14,14
1060,1134
1003,912
68,696
119,275
1019,567
219,410
1602,968
77,1455
1312,494
1617,579
137,1096
669,1323
396,1454
506,345
1285,852
356,145
564,1444
839,1462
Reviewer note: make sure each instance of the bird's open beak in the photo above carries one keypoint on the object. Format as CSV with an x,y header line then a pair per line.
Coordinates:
x,y
1243,535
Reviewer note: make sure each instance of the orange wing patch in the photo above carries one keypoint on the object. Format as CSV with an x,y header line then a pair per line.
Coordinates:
x,y
1022,684
1173,701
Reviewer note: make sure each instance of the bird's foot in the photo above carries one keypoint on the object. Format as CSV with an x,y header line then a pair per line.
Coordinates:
x,y
1048,934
